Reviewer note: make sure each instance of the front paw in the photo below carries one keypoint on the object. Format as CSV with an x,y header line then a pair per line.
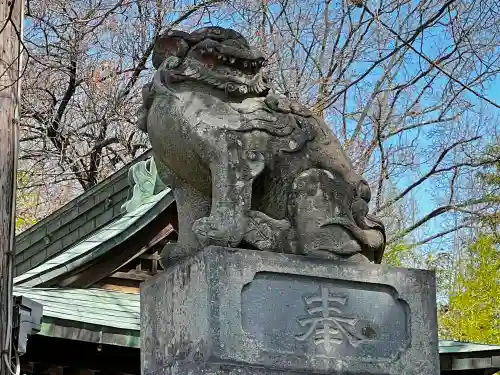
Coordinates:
x,y
219,231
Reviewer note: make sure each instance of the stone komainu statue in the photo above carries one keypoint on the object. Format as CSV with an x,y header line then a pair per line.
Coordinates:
x,y
249,168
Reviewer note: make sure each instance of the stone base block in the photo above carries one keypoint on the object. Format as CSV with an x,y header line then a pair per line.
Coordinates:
x,y
231,311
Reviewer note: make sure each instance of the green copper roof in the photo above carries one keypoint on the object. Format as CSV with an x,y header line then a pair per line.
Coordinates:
x,y
97,315
75,221
147,199
93,315
452,347
97,244
93,306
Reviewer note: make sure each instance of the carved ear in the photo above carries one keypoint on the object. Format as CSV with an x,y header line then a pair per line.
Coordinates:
x,y
169,44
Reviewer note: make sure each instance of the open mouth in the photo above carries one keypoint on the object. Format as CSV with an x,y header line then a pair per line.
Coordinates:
x,y
215,56
226,59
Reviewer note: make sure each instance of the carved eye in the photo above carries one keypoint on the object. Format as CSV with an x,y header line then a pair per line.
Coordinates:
x,y
168,46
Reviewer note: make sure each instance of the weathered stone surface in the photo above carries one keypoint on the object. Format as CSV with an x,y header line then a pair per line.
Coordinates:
x,y
232,311
249,168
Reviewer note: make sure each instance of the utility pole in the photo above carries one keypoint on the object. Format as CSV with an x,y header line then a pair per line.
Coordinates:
x,y
11,30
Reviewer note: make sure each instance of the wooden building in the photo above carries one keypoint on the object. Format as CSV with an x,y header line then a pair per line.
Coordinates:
x,y
84,264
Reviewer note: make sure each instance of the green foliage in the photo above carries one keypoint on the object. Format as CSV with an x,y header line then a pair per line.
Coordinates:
x,y
403,255
397,254
473,313
27,202
24,223
490,178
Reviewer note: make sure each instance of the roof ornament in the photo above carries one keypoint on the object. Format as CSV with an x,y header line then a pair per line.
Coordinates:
x,y
144,184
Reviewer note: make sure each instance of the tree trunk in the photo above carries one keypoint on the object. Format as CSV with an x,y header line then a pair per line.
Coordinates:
x,y
10,27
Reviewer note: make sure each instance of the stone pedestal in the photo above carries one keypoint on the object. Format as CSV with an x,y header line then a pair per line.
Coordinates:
x,y
230,311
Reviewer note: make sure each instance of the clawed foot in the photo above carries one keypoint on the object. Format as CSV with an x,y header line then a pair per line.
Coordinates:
x,y
224,231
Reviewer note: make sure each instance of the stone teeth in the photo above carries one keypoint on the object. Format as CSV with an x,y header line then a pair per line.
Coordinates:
x,y
219,57
210,50
232,60
245,64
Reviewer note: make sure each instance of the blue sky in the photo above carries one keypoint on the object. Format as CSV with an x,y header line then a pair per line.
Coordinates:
x,y
422,195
